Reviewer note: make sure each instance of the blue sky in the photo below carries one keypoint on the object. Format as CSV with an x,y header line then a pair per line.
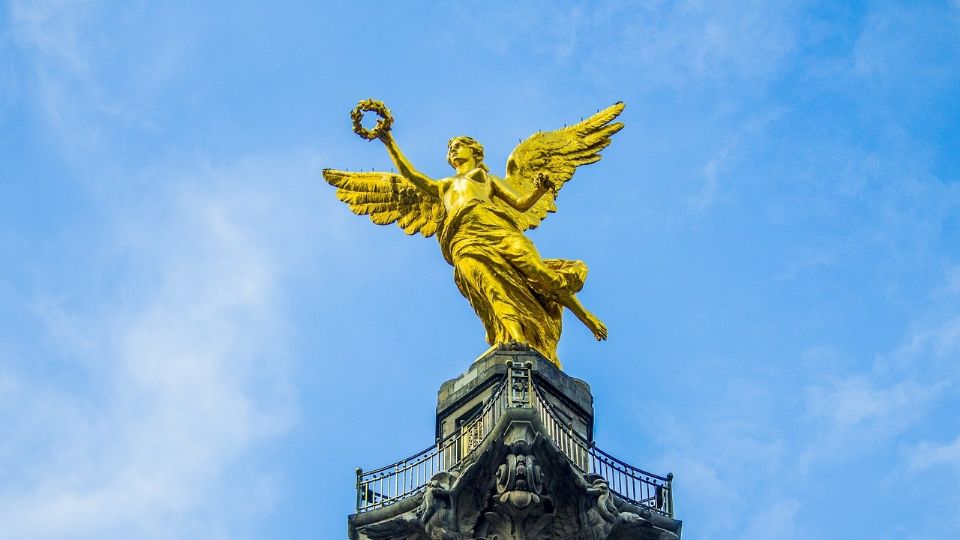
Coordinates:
x,y
197,340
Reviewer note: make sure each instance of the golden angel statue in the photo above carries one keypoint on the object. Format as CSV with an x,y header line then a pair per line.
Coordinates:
x,y
480,219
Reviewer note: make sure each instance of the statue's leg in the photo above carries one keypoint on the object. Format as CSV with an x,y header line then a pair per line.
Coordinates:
x,y
590,320
484,286
523,255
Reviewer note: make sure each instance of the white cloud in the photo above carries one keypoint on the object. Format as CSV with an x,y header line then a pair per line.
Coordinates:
x,y
775,521
939,340
53,33
953,280
182,374
710,191
678,43
707,194
659,43
866,411
856,407
166,379
733,450
724,453
96,76
53,28
927,455
805,261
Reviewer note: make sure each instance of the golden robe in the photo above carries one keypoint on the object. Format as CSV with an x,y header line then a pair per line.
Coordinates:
x,y
501,274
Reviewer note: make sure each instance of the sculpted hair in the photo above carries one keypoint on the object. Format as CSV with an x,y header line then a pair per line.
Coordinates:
x,y
474,147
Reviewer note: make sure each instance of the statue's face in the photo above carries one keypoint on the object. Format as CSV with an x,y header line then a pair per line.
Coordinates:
x,y
459,153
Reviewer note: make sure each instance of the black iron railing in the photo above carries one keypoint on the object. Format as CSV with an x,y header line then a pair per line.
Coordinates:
x,y
631,483
407,477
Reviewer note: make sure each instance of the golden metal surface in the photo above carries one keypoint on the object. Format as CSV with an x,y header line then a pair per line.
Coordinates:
x,y
479,221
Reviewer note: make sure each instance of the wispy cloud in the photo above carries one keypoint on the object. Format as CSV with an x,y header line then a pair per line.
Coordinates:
x,y
897,391
776,520
927,455
708,192
858,409
662,43
722,445
163,384
953,281
92,94
689,41
53,28
189,366
61,77
935,341
749,470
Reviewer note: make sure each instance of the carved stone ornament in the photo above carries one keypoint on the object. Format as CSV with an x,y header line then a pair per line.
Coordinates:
x,y
519,508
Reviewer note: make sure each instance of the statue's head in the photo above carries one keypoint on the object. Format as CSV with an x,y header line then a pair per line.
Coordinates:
x,y
463,147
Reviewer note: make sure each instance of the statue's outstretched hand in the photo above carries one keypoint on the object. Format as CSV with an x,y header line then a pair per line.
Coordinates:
x,y
544,183
385,136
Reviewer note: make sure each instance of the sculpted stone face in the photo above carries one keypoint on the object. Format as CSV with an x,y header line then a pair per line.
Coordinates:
x,y
459,154
464,154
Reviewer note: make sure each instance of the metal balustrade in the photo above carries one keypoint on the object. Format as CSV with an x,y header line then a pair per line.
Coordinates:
x,y
563,435
390,484
630,483
387,485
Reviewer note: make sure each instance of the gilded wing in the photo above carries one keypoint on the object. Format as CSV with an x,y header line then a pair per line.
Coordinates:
x,y
388,198
557,154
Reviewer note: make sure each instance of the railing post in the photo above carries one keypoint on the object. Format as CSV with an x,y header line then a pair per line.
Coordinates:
x,y
396,481
670,494
461,441
528,367
359,498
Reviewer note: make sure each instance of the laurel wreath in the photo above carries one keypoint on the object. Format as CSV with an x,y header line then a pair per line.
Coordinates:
x,y
383,125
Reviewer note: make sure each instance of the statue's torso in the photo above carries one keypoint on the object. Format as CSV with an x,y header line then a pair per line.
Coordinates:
x,y
456,191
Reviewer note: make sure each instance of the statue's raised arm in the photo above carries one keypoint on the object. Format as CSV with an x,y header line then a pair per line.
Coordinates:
x,y
411,200
428,185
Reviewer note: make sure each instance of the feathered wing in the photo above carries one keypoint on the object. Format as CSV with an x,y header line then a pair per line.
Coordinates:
x,y
388,198
557,154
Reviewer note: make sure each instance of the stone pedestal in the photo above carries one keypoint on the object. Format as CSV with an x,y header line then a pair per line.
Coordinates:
x,y
514,459
460,399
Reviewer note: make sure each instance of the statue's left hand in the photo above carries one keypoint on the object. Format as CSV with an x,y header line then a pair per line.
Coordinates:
x,y
544,183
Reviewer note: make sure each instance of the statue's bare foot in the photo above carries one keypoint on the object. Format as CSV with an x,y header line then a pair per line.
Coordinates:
x,y
596,326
